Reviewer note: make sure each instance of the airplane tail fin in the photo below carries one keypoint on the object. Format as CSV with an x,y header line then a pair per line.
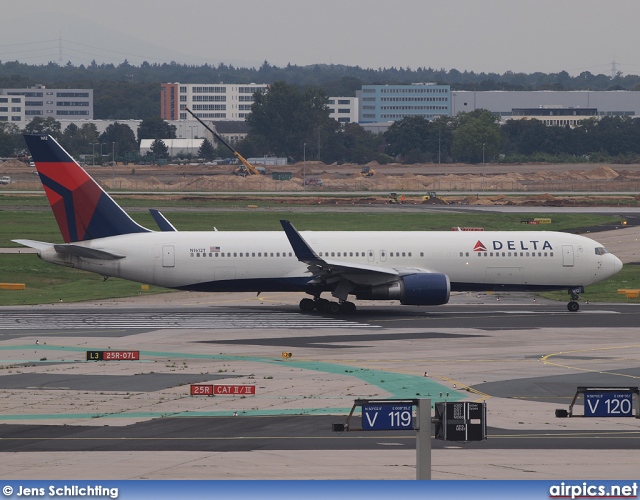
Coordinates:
x,y
83,210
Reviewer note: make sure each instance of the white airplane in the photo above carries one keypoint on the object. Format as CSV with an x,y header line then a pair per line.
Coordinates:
x,y
416,268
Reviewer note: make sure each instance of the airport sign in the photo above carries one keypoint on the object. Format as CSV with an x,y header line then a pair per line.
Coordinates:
x,y
201,390
462,421
113,355
387,417
608,403
234,390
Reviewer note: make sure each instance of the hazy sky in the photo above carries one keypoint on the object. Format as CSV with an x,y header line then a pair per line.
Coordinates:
x,y
473,35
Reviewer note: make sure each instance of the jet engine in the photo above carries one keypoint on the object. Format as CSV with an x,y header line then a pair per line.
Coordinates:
x,y
420,289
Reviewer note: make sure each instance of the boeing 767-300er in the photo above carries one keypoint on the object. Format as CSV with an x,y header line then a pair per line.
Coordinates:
x,y
416,268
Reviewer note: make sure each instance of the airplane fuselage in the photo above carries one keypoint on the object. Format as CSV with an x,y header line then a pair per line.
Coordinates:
x,y
265,261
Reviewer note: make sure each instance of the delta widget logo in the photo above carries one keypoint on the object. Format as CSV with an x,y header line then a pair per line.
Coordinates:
x,y
479,247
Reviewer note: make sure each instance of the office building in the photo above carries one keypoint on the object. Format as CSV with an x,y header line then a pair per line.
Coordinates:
x,y
40,101
219,102
385,103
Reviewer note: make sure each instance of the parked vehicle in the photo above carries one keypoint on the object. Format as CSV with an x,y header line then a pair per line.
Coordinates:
x,y
5,180
312,181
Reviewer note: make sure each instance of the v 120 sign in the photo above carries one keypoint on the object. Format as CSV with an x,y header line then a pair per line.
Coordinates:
x,y
608,404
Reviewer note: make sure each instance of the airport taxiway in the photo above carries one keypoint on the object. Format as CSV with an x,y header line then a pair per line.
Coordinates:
x,y
65,417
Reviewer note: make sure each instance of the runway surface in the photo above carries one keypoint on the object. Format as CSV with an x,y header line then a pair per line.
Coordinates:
x,y
63,416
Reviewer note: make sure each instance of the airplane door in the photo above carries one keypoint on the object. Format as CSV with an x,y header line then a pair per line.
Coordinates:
x,y
567,255
168,256
383,255
371,255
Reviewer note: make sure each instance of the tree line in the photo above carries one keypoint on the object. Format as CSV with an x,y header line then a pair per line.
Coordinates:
x,y
293,122
125,91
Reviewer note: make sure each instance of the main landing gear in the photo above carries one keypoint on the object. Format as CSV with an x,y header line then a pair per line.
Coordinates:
x,y
573,305
324,305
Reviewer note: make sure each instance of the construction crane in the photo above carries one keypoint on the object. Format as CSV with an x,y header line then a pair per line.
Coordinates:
x,y
250,169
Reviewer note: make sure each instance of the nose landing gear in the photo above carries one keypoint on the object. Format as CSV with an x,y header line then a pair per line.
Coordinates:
x,y
575,292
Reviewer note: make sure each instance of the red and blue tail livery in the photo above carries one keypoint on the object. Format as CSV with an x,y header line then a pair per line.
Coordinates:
x,y
83,210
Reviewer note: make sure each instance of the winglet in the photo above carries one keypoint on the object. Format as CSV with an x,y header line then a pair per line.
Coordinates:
x,y
300,247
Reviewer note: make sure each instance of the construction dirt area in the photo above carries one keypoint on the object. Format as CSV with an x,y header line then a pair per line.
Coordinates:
x,y
548,184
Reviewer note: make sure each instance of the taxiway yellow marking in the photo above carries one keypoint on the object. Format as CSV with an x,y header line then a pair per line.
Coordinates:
x,y
459,387
546,360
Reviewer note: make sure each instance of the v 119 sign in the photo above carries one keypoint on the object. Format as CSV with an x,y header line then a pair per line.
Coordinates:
x,y
608,404
387,417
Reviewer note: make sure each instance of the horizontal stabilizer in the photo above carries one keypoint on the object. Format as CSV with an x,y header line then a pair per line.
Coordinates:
x,y
38,245
88,253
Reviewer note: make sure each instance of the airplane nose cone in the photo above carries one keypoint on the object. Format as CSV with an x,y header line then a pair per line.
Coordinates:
x,y
617,264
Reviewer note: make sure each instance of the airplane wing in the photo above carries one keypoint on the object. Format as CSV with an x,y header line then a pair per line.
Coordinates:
x,y
78,250
347,275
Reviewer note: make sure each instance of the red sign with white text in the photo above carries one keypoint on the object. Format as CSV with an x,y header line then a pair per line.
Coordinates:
x,y
201,390
233,390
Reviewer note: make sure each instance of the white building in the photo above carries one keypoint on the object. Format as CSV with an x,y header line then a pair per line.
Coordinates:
x,y
12,109
39,101
219,102
344,109
177,147
503,103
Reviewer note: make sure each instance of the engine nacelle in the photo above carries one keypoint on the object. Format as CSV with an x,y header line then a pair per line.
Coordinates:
x,y
420,289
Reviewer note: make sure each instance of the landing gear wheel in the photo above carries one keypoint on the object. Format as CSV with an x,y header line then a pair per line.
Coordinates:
x,y
573,306
307,305
333,308
320,304
347,308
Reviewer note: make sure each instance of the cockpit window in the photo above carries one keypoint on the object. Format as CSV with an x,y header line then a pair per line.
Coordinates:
x,y
601,250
